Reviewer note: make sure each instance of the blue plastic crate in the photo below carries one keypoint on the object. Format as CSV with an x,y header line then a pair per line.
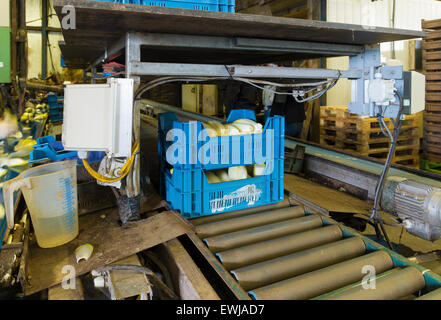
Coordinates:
x,y
44,150
55,107
187,188
56,115
53,99
220,152
189,192
205,5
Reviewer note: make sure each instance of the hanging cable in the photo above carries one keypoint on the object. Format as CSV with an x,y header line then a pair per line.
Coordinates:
x,y
317,95
389,134
379,189
123,172
254,82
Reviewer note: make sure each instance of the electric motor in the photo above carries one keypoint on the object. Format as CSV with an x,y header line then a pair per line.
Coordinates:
x,y
417,205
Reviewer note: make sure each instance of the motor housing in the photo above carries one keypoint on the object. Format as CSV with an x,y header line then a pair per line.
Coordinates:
x,y
417,205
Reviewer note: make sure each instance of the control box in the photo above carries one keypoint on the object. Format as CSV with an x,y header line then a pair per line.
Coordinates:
x,y
99,117
414,92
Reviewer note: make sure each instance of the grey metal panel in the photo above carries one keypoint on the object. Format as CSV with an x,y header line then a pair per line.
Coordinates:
x,y
111,19
101,24
218,50
298,46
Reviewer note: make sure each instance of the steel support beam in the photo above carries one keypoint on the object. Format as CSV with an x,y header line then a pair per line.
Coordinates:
x,y
211,70
249,44
133,185
180,41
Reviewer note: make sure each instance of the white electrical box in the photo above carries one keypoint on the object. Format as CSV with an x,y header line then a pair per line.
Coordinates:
x,y
414,92
99,117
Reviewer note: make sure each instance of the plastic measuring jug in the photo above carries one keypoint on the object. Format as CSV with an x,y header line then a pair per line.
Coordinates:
x,y
50,192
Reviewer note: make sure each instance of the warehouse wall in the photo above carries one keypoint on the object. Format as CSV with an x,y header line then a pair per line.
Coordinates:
x,y
33,18
4,13
378,13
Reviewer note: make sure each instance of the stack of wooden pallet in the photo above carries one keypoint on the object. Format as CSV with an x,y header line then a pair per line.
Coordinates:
x,y
432,70
350,132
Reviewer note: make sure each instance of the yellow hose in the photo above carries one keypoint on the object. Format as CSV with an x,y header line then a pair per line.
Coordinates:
x,y
123,172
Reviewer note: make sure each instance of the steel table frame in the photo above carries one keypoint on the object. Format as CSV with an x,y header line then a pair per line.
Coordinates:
x,y
132,43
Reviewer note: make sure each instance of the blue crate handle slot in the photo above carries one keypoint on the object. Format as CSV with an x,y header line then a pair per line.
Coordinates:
x,y
44,150
47,148
237,114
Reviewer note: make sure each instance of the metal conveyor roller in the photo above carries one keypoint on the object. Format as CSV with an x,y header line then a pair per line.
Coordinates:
x,y
284,267
265,250
270,231
287,253
312,284
249,221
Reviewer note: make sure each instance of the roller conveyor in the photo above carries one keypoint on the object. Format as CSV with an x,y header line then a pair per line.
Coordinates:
x,y
395,285
254,220
235,214
266,232
265,250
313,284
306,256
270,271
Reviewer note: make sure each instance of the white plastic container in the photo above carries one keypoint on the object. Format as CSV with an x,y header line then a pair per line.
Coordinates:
x,y
50,192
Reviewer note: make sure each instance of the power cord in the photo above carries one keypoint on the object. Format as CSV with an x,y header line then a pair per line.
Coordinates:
x,y
253,82
380,185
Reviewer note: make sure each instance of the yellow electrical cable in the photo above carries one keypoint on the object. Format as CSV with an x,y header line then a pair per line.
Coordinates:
x,y
124,170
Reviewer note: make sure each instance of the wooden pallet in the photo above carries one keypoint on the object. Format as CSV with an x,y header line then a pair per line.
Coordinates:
x,y
431,24
412,161
377,151
336,112
364,125
433,107
327,140
432,68
349,132
405,155
432,140
373,137
432,156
